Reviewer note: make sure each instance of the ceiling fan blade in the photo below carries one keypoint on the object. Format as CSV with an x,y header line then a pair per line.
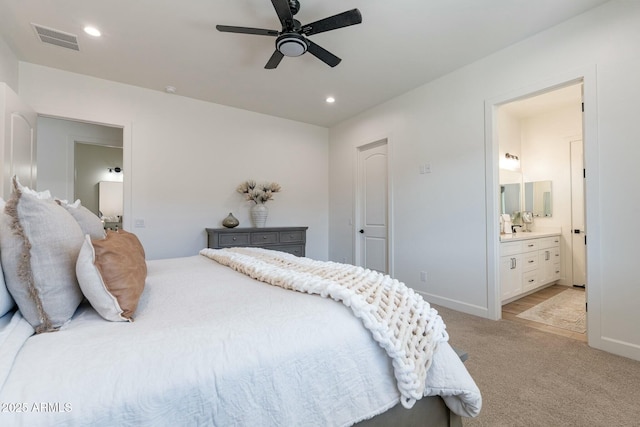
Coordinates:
x,y
274,60
341,20
284,13
322,54
247,30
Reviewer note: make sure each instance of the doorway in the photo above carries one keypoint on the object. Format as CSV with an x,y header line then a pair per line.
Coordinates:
x,y
588,76
372,206
533,130
74,156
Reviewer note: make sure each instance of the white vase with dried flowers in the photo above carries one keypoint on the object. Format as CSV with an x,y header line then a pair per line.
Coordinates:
x,y
259,194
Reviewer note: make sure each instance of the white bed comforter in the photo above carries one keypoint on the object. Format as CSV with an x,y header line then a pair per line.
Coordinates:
x,y
210,346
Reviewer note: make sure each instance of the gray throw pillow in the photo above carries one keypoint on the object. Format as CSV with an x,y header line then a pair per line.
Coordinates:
x,y
87,220
39,246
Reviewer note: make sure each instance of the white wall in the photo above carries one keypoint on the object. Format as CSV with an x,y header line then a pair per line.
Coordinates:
x,y
184,158
440,218
8,66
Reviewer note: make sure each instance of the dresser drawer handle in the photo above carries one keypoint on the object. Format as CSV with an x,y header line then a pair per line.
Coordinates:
x,y
264,237
530,245
531,261
235,238
532,280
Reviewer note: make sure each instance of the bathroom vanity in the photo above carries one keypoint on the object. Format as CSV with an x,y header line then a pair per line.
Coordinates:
x,y
528,261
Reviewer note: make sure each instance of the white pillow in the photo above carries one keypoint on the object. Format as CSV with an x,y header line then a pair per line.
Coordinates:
x,y
39,246
6,302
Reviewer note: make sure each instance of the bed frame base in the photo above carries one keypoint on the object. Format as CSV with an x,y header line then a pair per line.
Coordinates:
x,y
428,411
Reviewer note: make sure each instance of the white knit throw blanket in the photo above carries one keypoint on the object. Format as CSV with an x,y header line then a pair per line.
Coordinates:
x,y
398,318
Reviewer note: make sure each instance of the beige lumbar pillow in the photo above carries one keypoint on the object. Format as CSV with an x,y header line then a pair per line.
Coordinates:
x,y
112,273
39,246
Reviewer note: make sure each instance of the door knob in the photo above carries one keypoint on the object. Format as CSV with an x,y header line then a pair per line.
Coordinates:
x,y
361,231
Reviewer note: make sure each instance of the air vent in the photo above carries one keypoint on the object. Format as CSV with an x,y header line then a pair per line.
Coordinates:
x,y
56,37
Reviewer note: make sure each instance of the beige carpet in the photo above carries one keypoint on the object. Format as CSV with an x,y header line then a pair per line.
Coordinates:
x,y
532,378
565,310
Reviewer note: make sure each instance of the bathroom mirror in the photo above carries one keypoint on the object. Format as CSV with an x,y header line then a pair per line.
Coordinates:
x,y
537,198
510,198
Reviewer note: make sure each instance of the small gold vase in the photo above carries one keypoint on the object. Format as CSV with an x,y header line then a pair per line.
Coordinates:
x,y
230,221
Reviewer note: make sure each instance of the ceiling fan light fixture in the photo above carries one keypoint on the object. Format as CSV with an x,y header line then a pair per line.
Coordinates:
x,y
291,44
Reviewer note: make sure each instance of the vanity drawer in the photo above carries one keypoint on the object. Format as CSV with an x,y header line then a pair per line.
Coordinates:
x,y
529,280
510,248
291,236
549,242
235,239
530,245
264,238
529,261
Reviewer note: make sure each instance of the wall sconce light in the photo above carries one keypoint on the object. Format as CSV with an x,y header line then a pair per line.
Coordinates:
x,y
117,169
510,162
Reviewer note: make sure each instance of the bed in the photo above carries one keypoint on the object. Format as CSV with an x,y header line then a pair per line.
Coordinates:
x,y
209,345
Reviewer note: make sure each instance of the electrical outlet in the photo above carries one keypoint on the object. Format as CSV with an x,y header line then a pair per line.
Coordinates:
x,y
138,223
423,276
425,168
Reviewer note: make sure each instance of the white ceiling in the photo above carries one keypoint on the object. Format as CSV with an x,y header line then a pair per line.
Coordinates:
x,y
400,45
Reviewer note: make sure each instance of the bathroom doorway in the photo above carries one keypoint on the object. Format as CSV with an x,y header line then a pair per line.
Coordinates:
x,y
543,133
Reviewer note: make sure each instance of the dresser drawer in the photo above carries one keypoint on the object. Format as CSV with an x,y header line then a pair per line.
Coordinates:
x,y
292,237
297,250
285,239
235,239
262,238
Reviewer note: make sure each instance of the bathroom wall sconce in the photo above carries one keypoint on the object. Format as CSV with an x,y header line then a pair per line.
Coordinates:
x,y
510,162
117,169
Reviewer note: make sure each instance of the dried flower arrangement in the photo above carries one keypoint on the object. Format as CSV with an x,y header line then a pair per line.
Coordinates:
x,y
258,193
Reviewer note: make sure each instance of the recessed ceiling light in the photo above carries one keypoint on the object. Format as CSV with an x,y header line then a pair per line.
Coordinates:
x,y
330,100
92,31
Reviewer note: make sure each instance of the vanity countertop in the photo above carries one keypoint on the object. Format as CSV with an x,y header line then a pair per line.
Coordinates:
x,y
523,235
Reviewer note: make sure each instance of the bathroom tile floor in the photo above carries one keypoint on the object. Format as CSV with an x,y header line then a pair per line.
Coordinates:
x,y
511,310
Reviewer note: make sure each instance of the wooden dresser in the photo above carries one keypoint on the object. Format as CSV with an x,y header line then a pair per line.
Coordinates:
x,y
285,239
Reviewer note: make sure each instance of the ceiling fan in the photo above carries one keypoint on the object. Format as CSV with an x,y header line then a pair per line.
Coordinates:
x,y
292,39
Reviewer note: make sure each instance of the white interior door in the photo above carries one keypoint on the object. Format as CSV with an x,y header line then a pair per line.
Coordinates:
x,y
373,237
578,232
18,142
